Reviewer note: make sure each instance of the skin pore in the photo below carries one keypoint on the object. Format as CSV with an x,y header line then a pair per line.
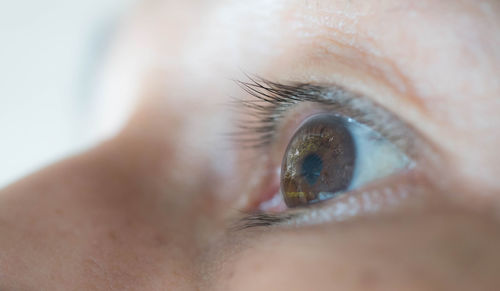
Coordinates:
x,y
154,206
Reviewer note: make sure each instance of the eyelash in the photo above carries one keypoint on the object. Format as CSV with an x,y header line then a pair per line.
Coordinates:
x,y
270,104
252,220
272,101
266,109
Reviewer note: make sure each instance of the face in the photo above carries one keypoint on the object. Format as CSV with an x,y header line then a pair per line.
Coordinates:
x,y
356,150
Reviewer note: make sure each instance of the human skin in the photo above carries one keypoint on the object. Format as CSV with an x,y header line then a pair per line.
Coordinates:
x,y
154,206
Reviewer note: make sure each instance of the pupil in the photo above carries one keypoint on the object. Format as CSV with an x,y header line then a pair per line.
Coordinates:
x,y
311,168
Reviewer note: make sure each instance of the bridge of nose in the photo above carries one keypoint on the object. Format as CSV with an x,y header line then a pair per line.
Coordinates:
x,y
107,216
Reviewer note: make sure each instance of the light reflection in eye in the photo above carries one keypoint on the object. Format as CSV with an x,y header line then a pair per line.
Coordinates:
x,y
331,154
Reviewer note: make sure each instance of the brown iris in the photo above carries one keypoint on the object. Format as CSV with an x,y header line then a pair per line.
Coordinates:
x,y
318,162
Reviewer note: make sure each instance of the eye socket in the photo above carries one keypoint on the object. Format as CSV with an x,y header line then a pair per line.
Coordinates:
x,y
331,154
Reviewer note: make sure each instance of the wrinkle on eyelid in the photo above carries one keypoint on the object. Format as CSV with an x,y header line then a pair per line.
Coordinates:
x,y
381,68
334,34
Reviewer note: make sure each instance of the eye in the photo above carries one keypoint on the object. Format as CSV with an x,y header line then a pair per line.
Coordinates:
x,y
330,154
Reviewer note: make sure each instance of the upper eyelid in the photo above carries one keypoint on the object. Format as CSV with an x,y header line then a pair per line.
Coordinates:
x,y
272,101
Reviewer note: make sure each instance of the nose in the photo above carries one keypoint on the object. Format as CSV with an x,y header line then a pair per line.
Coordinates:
x,y
133,212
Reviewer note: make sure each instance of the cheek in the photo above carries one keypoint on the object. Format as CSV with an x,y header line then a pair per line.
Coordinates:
x,y
312,264
419,253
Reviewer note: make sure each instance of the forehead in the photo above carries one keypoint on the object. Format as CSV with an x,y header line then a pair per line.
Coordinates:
x,y
409,41
433,51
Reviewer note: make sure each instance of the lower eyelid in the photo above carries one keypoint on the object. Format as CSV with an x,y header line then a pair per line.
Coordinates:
x,y
376,198
390,194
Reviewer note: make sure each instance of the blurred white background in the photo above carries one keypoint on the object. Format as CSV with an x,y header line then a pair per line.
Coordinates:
x,y
48,51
